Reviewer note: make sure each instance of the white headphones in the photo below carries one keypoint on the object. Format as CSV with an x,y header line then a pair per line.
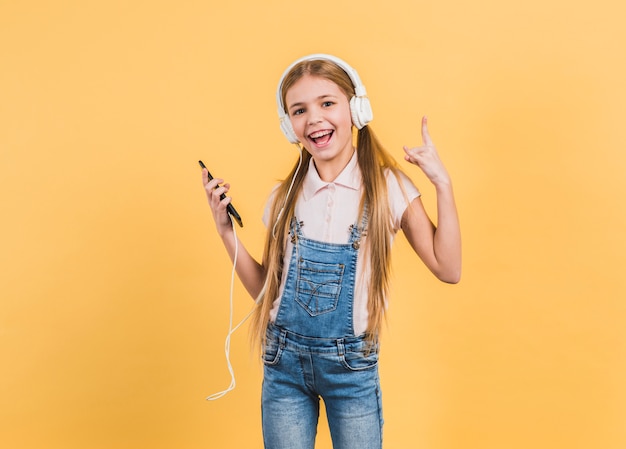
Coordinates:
x,y
360,107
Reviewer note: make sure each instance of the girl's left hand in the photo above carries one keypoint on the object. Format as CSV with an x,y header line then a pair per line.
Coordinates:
x,y
427,158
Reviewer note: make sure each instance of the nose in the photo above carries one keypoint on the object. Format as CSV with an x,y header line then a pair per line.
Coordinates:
x,y
315,116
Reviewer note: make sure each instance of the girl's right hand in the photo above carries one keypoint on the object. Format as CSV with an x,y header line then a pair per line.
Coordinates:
x,y
218,206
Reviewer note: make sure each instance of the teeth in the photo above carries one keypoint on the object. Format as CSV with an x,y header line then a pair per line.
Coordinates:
x,y
319,134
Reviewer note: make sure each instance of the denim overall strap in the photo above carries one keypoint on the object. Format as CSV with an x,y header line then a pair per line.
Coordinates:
x,y
356,232
318,298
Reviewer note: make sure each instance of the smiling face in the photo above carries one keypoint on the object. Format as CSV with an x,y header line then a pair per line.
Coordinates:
x,y
320,116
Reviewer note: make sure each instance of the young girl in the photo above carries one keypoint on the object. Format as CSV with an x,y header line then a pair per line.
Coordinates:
x,y
323,281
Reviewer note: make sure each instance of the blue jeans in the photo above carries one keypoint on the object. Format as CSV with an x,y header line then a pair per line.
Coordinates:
x,y
299,370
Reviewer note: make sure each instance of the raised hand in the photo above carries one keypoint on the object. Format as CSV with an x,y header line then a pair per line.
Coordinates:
x,y
427,158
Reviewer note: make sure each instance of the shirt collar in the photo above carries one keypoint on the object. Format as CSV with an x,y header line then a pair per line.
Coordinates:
x,y
349,177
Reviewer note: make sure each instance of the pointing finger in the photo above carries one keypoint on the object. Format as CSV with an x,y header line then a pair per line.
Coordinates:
x,y
425,136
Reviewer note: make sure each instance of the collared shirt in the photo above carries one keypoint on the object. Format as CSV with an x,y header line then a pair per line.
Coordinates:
x,y
327,209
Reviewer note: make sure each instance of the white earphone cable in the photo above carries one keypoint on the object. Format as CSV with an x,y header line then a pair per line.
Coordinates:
x,y
231,329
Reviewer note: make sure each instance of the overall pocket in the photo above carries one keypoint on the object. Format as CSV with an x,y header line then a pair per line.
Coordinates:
x,y
272,350
318,286
360,359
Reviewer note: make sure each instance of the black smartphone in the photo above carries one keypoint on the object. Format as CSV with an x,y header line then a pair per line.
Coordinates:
x,y
230,208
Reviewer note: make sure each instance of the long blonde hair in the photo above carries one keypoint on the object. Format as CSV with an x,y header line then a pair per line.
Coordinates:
x,y
374,161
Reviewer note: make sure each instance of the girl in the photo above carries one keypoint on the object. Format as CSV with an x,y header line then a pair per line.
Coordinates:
x,y
323,281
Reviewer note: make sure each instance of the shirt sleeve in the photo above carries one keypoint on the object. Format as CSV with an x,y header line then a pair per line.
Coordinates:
x,y
401,194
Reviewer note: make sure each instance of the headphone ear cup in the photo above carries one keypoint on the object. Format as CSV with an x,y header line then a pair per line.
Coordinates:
x,y
287,129
361,111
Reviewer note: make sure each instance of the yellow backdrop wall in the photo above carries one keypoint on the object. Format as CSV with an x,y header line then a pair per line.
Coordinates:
x,y
114,286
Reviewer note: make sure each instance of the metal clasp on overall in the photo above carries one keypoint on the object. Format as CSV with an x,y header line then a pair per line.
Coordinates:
x,y
360,232
295,229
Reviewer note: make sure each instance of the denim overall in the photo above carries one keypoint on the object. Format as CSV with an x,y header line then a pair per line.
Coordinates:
x,y
312,352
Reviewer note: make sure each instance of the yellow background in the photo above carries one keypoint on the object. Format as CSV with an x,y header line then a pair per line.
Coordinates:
x,y
114,285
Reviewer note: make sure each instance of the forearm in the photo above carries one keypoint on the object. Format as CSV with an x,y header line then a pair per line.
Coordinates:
x,y
447,238
250,272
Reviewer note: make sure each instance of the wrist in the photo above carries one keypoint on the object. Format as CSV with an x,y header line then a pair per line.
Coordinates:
x,y
225,231
443,184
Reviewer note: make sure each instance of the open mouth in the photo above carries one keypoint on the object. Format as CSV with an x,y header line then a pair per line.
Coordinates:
x,y
321,137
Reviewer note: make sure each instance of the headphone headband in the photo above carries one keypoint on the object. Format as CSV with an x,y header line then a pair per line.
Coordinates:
x,y
359,104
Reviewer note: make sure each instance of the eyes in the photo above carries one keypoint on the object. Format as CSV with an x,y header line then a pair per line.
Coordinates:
x,y
325,105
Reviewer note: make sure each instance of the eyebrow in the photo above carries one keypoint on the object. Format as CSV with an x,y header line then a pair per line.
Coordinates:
x,y
321,97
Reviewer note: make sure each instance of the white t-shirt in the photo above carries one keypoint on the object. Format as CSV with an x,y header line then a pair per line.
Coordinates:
x,y
327,210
